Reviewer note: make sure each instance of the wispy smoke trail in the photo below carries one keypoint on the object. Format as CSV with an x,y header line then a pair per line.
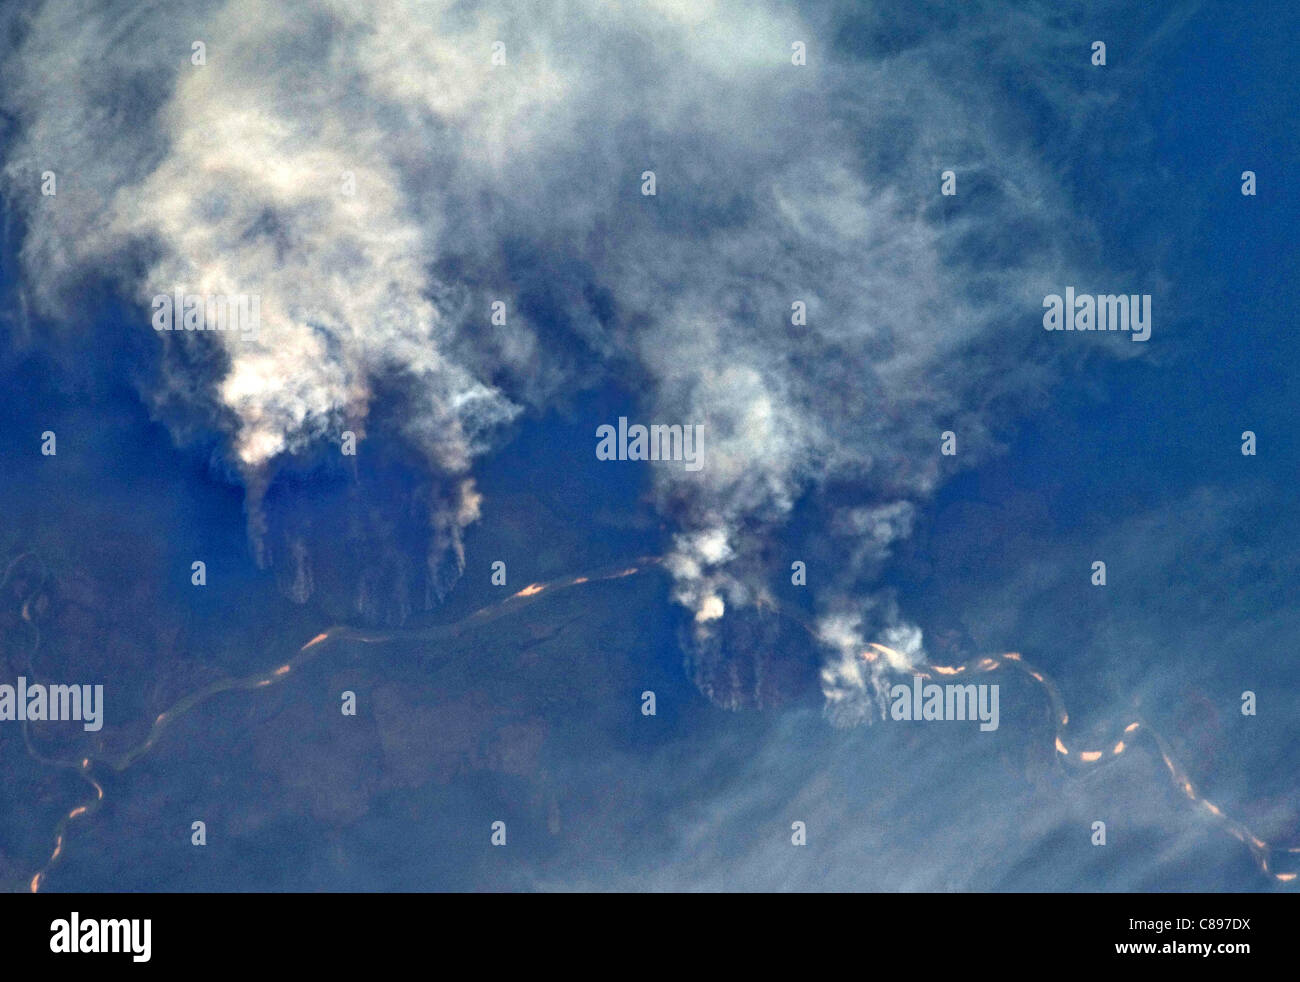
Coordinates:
x,y
777,183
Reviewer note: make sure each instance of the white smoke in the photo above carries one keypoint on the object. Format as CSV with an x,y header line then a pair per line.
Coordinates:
x,y
777,183
855,678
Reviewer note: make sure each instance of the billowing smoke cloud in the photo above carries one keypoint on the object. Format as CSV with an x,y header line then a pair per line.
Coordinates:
x,y
777,184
